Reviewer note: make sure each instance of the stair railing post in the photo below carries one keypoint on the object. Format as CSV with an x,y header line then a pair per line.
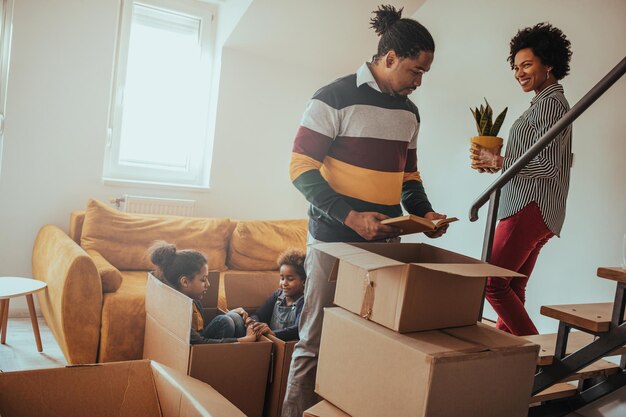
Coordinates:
x,y
490,229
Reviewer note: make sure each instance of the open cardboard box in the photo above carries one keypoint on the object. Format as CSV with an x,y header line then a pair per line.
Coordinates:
x,y
409,287
250,290
239,371
367,370
117,389
324,409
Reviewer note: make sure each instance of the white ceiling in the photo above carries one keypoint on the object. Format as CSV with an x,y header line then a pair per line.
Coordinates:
x,y
321,33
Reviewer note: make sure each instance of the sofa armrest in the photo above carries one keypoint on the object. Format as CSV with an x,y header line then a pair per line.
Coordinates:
x,y
72,302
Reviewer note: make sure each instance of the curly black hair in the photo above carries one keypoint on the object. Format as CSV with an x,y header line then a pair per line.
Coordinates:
x,y
294,258
406,37
548,43
172,263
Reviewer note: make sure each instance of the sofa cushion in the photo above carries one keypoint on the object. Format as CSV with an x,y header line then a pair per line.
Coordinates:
x,y
123,239
110,276
256,244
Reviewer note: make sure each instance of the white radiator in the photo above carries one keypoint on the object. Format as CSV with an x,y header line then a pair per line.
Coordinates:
x,y
155,205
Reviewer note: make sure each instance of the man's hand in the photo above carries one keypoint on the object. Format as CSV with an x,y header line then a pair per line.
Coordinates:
x,y
367,225
431,215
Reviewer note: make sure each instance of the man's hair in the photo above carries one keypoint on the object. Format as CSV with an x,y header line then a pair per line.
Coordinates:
x,y
172,264
406,37
548,43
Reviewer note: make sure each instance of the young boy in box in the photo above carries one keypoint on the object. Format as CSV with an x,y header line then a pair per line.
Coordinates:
x,y
280,314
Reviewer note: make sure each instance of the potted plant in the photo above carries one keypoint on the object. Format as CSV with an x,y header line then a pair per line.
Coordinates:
x,y
487,131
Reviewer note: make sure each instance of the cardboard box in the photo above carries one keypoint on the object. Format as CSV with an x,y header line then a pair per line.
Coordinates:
x,y
403,286
124,389
324,409
239,371
251,290
277,386
368,370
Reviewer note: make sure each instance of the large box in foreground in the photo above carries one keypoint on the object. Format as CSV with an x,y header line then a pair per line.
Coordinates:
x,y
239,371
367,370
121,389
409,287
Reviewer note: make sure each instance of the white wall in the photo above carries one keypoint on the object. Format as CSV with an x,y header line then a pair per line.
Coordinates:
x,y
58,97
59,87
472,41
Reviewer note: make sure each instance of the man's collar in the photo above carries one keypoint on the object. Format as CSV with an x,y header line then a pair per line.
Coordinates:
x,y
364,76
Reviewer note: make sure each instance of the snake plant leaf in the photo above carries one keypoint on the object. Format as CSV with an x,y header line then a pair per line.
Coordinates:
x,y
485,124
498,123
476,117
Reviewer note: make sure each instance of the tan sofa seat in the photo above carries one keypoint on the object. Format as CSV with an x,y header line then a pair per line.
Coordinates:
x,y
124,319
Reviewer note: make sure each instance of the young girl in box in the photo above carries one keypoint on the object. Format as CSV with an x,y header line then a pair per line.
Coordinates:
x,y
280,314
188,272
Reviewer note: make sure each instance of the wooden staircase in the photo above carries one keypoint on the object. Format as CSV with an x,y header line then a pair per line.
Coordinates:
x,y
571,370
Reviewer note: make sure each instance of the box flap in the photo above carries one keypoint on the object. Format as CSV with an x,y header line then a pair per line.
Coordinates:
x,y
249,289
358,255
482,334
479,270
324,409
169,307
120,389
183,396
238,371
168,325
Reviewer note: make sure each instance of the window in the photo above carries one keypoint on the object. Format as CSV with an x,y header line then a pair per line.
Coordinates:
x,y
159,125
6,13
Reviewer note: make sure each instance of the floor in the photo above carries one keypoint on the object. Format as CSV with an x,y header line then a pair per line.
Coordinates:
x,y
20,351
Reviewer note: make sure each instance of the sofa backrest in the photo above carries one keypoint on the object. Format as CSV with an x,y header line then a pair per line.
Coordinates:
x,y
123,239
256,244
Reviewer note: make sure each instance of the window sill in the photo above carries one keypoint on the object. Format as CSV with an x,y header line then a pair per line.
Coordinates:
x,y
155,185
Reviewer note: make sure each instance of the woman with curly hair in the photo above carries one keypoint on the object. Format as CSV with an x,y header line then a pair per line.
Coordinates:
x,y
280,314
532,204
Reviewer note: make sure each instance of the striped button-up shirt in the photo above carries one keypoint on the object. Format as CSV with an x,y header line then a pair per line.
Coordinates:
x,y
545,180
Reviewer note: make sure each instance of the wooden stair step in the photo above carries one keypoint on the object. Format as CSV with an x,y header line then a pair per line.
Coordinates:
x,y
600,367
595,317
612,273
555,392
575,341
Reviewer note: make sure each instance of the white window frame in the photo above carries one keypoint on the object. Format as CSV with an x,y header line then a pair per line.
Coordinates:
x,y
6,27
197,173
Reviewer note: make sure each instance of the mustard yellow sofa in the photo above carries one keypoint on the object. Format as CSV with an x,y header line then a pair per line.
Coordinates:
x,y
97,274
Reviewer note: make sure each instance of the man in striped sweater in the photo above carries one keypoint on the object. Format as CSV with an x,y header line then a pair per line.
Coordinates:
x,y
354,159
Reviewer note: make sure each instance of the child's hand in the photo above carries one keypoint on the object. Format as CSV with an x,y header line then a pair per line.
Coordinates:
x,y
249,321
261,328
250,336
243,313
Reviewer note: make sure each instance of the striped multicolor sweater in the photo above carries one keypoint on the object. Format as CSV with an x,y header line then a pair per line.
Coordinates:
x,y
545,180
356,150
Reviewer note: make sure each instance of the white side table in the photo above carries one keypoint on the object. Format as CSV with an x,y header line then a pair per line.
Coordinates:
x,y
11,287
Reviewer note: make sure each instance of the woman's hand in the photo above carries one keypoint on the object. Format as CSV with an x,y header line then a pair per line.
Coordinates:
x,y
485,159
431,215
260,328
243,313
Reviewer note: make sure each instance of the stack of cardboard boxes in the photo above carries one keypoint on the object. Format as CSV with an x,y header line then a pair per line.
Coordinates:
x,y
405,340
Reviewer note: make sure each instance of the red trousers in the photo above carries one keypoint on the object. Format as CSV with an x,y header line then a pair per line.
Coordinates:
x,y
516,245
